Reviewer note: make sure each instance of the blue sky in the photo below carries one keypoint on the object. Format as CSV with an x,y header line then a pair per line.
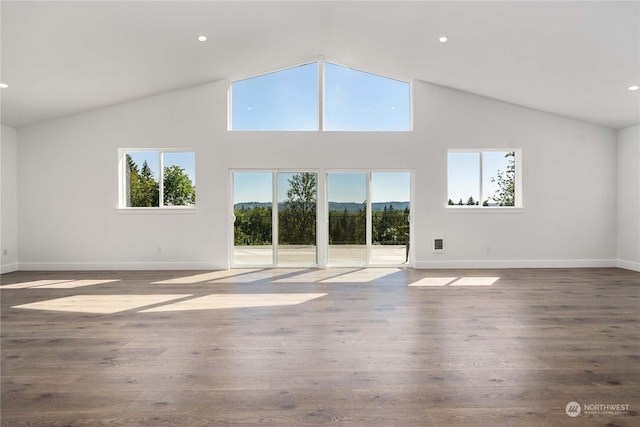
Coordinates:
x,y
288,100
342,187
186,160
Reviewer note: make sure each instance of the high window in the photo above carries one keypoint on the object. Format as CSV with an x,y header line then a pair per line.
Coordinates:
x,y
157,178
489,178
359,101
283,100
320,96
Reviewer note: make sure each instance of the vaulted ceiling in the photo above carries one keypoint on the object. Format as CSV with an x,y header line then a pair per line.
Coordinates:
x,y
575,59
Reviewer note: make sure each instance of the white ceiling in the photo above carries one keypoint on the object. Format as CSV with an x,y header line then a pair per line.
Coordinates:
x,y
575,59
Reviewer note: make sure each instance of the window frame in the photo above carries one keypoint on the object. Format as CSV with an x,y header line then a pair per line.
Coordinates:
x,y
518,206
122,180
321,97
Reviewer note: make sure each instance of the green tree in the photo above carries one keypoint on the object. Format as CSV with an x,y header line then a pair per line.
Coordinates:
x,y
450,202
252,226
505,195
471,202
149,188
177,187
298,216
133,182
142,187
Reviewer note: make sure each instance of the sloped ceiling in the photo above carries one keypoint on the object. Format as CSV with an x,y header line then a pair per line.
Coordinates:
x,y
575,59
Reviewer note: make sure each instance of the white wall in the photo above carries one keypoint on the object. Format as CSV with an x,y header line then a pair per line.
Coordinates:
x,y
9,200
68,182
629,198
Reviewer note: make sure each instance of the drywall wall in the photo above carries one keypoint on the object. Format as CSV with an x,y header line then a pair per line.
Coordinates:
x,y
69,182
9,200
629,198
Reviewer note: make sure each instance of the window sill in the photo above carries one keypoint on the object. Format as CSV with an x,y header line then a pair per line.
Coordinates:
x,y
485,209
156,211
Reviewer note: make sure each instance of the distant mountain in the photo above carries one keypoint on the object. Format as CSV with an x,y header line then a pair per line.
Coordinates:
x,y
251,205
333,206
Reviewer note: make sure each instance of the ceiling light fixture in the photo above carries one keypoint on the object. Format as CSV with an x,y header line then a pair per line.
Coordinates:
x,y
3,85
443,39
202,38
634,87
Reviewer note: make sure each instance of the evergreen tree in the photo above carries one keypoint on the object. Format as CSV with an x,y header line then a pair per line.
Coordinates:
x,y
149,187
470,201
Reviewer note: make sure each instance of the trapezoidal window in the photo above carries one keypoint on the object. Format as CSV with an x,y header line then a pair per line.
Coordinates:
x,y
291,100
282,100
358,101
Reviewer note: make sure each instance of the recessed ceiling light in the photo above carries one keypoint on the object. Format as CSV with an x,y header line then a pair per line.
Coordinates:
x,y
202,38
443,39
3,85
634,87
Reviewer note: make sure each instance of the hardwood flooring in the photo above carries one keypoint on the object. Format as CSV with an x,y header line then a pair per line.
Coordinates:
x,y
281,347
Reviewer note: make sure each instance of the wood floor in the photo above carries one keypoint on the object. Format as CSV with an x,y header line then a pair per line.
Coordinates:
x,y
291,347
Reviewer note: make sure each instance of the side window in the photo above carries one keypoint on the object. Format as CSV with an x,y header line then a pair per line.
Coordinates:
x,y
157,178
488,178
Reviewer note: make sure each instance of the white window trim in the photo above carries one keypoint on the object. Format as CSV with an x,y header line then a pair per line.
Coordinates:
x,y
122,183
519,206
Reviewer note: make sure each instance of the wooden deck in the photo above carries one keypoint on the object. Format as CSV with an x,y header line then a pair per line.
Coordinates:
x,y
356,347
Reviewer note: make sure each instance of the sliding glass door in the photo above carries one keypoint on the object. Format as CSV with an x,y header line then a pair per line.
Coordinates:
x,y
297,218
253,219
274,219
368,218
364,220
390,208
347,213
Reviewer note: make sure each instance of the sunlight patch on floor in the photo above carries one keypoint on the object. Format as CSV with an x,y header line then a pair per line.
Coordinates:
x,y
311,276
58,284
257,275
211,302
100,304
434,281
204,277
77,284
475,281
455,281
32,284
364,275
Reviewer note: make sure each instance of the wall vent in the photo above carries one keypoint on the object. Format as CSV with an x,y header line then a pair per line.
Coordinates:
x,y
438,245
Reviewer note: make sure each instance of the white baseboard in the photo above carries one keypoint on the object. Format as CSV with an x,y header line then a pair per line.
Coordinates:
x,y
431,264
97,266
628,265
8,268
575,263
